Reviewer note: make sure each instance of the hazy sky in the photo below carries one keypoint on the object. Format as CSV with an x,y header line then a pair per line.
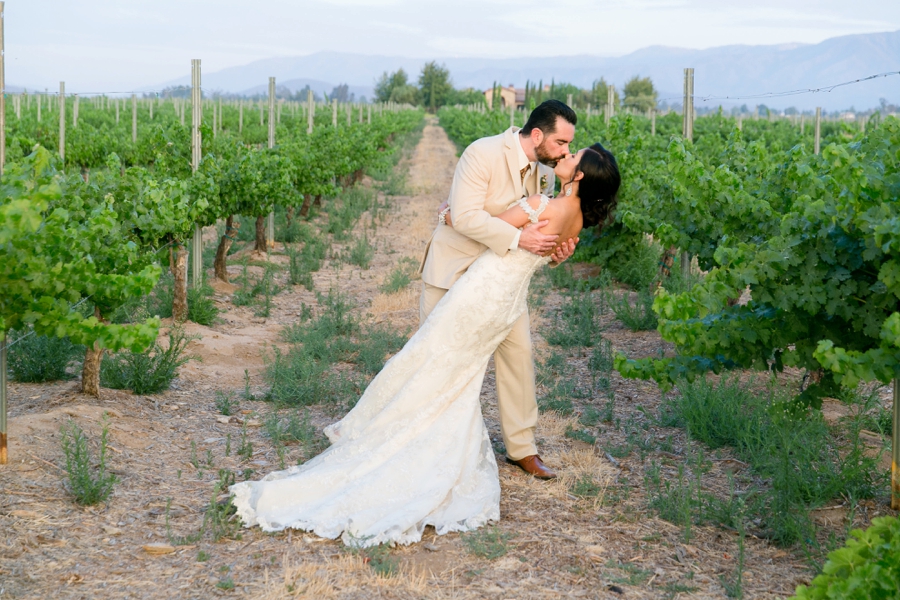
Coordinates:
x,y
106,45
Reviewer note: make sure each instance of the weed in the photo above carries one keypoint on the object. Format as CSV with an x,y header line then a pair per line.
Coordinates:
x,y
488,542
600,364
589,417
87,485
361,252
634,575
226,584
581,435
36,358
194,462
576,323
585,487
202,556
148,372
225,402
400,277
804,461
639,267
266,287
302,264
245,450
378,556
248,395
551,368
638,316
201,307
375,344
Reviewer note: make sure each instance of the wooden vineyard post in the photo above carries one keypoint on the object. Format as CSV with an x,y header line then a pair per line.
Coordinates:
x,y
652,121
133,119
40,102
4,458
151,110
311,111
214,127
62,122
369,115
334,112
3,453
270,225
688,133
802,124
610,103
569,100
512,114
196,149
740,122
75,114
818,131
895,450
349,114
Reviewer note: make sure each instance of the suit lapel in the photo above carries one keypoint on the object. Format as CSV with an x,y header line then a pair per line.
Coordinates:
x,y
512,157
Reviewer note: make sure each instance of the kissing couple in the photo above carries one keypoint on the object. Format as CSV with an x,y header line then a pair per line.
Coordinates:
x,y
414,451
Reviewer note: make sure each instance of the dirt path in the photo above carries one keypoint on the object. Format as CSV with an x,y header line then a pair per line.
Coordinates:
x,y
604,544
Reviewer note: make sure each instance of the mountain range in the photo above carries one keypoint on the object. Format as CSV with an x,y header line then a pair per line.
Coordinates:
x,y
738,72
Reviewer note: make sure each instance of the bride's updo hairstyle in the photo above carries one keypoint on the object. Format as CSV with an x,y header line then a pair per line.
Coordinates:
x,y
599,186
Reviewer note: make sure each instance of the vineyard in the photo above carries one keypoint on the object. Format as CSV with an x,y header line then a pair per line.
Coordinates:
x,y
711,367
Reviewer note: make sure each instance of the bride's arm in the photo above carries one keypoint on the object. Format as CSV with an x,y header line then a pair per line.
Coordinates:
x,y
516,215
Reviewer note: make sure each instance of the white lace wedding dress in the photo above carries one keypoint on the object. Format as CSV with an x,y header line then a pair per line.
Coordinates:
x,y
414,450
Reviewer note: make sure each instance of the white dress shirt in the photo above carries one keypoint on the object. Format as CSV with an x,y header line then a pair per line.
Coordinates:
x,y
523,162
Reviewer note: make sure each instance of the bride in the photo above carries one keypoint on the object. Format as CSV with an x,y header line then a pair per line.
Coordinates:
x,y
414,450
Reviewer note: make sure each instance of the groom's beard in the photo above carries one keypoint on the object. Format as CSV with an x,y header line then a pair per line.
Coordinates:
x,y
542,152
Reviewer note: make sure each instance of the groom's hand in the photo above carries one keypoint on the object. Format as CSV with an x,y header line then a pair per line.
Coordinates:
x,y
565,250
536,242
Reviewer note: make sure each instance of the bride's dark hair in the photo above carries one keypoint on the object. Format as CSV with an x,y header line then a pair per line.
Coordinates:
x,y
599,186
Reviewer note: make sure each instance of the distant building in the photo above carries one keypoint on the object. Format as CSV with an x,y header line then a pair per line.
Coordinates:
x,y
509,96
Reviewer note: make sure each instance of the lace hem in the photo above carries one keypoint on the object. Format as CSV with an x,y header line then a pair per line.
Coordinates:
x,y
343,528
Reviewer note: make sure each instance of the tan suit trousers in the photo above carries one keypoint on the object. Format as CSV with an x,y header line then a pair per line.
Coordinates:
x,y
515,380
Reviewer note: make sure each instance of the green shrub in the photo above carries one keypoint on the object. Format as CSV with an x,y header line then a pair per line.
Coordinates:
x,y
148,372
33,358
638,316
576,323
867,568
806,463
488,542
87,484
639,267
374,345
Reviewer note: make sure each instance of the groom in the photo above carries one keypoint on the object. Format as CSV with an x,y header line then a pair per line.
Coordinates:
x,y
492,173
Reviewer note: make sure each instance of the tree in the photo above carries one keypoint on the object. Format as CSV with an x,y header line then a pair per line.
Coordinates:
x,y
435,88
388,83
599,93
639,94
342,94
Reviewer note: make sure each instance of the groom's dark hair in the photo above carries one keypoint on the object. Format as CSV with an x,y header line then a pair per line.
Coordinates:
x,y
544,117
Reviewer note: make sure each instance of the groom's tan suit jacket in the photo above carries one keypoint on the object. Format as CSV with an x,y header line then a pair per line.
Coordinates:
x,y
486,182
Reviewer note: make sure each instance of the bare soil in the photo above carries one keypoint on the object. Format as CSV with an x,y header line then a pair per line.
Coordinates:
x,y
558,544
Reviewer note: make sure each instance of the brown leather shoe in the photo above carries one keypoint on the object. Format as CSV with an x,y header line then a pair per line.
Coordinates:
x,y
534,466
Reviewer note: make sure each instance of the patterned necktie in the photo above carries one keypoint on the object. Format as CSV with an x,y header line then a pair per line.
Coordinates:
x,y
523,172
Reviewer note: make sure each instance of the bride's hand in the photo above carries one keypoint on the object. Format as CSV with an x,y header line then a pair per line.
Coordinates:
x,y
565,250
444,211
